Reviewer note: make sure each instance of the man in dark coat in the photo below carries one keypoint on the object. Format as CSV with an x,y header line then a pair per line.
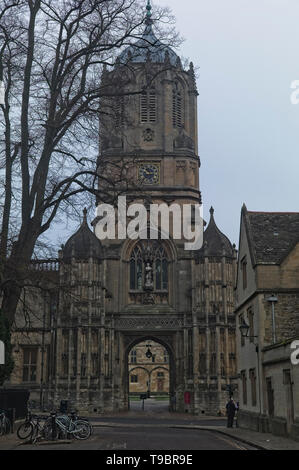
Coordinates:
x,y
230,411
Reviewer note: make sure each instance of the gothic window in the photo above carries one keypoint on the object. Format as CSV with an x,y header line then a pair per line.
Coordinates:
x,y
244,386
136,269
134,379
161,269
134,356
148,105
252,376
177,107
154,268
29,364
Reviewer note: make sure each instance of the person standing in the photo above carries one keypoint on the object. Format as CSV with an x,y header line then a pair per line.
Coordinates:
x,y
230,411
237,413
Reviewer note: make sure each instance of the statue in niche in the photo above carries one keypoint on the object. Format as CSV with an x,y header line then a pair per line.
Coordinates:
x,y
149,283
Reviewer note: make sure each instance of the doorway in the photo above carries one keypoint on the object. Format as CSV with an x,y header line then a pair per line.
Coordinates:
x,y
150,376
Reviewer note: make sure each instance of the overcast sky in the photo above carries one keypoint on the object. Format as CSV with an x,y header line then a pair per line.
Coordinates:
x,y
248,54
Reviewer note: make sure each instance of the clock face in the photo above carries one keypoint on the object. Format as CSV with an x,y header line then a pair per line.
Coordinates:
x,y
149,173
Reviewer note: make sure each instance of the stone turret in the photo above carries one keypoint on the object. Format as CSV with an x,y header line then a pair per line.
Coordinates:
x,y
83,244
213,303
215,243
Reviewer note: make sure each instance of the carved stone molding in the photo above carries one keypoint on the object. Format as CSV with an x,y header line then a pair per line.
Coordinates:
x,y
181,165
153,323
193,166
148,135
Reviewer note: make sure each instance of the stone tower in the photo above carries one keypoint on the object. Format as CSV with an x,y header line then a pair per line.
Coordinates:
x,y
118,294
150,129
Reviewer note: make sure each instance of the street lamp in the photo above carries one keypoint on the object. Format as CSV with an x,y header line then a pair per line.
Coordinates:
x,y
148,353
244,329
273,299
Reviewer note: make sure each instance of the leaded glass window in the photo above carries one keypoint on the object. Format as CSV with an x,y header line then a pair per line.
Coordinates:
x,y
29,364
158,261
136,269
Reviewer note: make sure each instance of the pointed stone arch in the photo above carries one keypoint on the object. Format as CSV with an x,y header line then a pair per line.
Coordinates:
x,y
167,341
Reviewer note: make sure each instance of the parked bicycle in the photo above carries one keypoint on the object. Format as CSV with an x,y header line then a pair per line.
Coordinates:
x,y
73,415
67,426
32,428
4,423
63,427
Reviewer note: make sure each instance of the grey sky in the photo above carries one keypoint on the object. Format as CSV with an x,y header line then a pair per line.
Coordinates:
x,y
248,54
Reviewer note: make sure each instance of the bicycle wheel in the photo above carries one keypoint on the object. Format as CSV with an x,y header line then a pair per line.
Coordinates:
x,y
2,429
25,430
82,430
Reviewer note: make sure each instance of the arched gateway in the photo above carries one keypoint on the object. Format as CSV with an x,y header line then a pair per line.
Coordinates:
x,y
116,292
153,358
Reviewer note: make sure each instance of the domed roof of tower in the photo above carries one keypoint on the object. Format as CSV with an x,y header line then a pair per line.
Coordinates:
x,y
215,243
83,244
149,48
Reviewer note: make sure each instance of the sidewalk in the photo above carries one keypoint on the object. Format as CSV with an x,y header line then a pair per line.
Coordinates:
x,y
262,441
265,441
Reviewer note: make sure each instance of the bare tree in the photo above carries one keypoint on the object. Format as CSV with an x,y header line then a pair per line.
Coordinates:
x,y
52,55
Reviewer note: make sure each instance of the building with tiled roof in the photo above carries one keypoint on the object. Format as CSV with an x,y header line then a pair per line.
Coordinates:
x,y
267,310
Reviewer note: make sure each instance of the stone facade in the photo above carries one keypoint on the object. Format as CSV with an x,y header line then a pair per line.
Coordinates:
x,y
114,295
268,301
